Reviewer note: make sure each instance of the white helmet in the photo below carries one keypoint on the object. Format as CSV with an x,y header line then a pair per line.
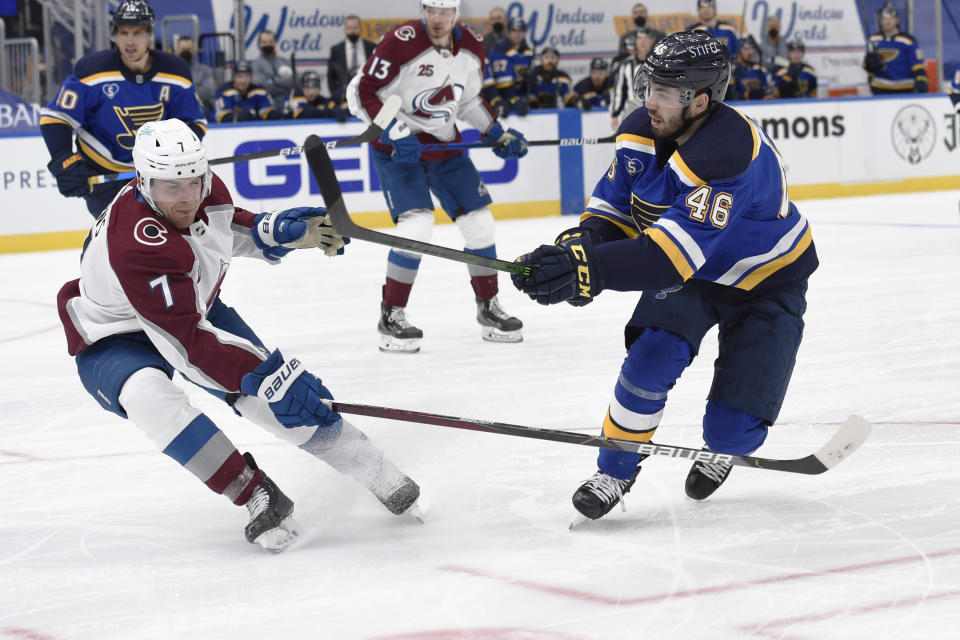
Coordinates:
x,y
442,4
169,149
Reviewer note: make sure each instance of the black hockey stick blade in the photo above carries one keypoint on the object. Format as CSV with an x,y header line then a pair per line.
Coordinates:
x,y
844,442
322,168
387,112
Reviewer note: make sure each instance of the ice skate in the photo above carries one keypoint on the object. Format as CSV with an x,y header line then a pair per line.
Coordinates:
x,y
355,455
397,335
705,478
599,494
496,325
271,523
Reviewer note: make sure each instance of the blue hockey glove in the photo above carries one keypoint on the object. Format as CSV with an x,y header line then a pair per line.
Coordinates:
x,y
562,273
279,233
509,143
71,172
406,147
294,394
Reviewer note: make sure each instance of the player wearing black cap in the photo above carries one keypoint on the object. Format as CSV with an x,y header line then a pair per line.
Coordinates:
x,y
594,90
547,86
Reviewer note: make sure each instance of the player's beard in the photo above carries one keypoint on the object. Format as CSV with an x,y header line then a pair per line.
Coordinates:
x,y
668,127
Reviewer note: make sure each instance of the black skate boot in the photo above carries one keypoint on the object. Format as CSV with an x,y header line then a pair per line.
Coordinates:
x,y
496,325
599,494
271,525
396,333
705,478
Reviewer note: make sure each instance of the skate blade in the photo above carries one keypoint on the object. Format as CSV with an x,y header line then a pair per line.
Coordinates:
x,y
279,538
390,344
491,334
578,520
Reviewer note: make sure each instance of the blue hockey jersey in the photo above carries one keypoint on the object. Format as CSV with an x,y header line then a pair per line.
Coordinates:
x,y
717,206
105,103
903,69
954,90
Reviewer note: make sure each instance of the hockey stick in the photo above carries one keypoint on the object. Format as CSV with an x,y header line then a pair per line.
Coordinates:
x,y
844,442
387,112
560,142
322,168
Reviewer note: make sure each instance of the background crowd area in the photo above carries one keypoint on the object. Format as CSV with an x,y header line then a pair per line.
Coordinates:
x,y
265,85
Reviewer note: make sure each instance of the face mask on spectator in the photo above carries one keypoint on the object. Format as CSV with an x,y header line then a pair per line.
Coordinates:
x,y
498,28
640,21
187,55
353,37
267,51
773,33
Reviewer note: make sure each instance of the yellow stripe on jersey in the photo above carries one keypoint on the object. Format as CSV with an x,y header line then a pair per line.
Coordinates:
x,y
773,266
52,120
686,174
100,160
170,78
103,76
629,230
680,262
612,430
638,143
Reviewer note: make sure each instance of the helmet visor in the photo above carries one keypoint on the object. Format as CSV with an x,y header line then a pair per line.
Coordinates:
x,y
651,92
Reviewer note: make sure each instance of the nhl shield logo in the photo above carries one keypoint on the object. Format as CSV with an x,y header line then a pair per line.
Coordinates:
x,y
111,89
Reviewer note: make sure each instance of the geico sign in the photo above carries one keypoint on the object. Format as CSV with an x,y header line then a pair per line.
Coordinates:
x,y
804,127
287,174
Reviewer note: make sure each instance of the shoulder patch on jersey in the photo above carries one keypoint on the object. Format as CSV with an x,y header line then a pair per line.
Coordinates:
x,y
150,231
722,148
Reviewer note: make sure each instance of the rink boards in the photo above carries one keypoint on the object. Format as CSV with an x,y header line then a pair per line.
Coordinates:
x,y
831,148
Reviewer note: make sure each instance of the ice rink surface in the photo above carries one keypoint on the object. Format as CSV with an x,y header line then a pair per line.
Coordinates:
x,y
102,537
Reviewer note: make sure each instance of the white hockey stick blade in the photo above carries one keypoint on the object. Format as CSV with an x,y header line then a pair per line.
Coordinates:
x,y
852,434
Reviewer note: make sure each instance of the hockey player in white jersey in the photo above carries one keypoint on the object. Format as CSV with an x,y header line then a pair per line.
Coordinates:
x,y
148,303
436,65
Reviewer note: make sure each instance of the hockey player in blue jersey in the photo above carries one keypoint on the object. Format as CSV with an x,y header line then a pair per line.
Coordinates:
x,y
694,213
240,100
106,99
894,63
749,80
722,31
954,91
798,79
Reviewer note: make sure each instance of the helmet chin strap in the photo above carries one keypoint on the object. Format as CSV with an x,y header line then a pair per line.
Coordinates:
x,y
688,122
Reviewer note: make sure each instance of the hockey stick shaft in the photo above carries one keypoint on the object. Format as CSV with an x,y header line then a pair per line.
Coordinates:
x,y
850,436
322,168
372,132
560,142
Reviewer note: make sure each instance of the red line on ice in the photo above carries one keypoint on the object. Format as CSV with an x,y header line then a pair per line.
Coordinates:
x,y
689,593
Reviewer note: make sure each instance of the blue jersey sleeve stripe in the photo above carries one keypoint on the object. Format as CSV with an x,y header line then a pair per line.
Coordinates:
x,y
673,251
763,272
748,267
170,78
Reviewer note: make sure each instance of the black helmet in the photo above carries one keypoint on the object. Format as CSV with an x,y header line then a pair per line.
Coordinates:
x,y
310,79
692,61
133,13
796,43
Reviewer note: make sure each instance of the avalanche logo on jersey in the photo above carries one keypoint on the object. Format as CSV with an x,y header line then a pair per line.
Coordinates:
x,y
149,232
132,118
405,33
441,103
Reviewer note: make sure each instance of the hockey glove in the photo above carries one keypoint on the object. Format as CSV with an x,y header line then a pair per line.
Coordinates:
x,y
873,62
562,273
406,147
295,395
279,233
520,105
71,172
509,143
